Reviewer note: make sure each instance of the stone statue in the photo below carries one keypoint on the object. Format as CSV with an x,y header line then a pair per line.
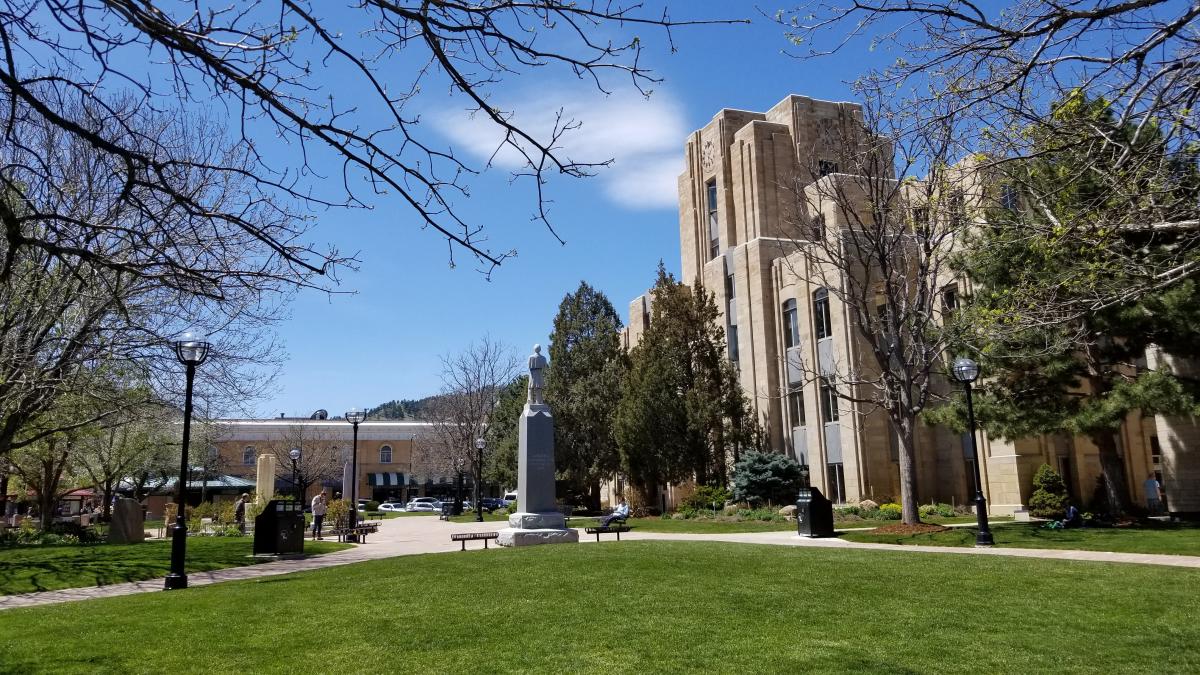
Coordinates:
x,y
537,380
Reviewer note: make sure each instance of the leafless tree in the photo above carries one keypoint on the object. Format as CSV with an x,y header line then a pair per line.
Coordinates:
x,y
881,247
472,381
314,92
320,456
70,317
997,72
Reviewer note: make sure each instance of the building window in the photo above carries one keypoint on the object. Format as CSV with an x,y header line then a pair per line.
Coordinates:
x,y
818,226
920,216
1155,451
714,240
829,405
821,317
795,400
730,287
950,298
791,325
826,167
1008,197
248,455
385,454
733,343
958,208
836,475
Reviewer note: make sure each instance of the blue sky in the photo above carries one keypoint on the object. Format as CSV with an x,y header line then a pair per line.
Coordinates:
x,y
408,307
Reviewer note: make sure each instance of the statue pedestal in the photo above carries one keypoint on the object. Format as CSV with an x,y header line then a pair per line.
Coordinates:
x,y
540,522
531,529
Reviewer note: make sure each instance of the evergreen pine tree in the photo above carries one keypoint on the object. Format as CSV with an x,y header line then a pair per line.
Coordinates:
x,y
1084,373
583,388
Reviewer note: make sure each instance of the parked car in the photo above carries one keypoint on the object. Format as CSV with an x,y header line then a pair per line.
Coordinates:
x,y
394,507
423,504
490,504
510,497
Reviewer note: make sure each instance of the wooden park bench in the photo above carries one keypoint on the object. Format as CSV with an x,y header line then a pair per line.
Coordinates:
x,y
360,531
464,537
609,529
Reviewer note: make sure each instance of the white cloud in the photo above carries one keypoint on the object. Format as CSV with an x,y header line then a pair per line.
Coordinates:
x,y
644,138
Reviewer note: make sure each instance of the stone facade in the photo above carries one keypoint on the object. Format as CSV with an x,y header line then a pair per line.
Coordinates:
x,y
388,465
750,179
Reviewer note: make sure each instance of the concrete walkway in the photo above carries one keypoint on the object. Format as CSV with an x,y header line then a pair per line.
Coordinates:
x,y
417,535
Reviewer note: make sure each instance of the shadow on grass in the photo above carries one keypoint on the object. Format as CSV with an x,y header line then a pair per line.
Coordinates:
x,y
1144,537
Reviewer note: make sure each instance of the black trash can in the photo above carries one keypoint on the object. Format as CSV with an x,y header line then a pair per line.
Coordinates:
x,y
279,529
814,513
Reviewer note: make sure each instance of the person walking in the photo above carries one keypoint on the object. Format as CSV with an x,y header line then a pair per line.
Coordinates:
x,y
239,512
1153,494
320,504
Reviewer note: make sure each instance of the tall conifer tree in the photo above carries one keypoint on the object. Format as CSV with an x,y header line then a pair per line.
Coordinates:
x,y
583,387
682,414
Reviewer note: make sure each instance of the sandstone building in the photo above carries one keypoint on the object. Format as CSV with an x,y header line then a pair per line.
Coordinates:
x,y
740,198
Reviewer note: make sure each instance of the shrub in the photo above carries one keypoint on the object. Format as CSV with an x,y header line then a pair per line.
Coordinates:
x,y
942,510
890,511
703,498
766,477
372,506
1049,499
512,507
868,505
337,512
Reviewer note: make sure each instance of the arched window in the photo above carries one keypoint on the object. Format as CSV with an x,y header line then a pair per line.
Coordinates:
x,y
385,454
248,455
822,321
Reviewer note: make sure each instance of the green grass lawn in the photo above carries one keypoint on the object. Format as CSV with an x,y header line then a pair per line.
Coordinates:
x,y
680,606
704,526
1176,539
48,568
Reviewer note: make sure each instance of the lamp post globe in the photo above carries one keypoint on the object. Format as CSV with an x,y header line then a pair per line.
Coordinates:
x,y
480,446
294,453
355,417
967,371
191,349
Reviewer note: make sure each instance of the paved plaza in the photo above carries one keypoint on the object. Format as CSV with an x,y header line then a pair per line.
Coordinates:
x,y
414,536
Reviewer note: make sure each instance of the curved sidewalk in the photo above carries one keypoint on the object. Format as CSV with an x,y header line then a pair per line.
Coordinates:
x,y
417,535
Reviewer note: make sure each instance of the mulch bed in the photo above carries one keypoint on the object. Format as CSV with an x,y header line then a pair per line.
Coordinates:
x,y
901,528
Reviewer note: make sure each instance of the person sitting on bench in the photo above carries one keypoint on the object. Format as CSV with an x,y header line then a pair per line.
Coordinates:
x,y
620,513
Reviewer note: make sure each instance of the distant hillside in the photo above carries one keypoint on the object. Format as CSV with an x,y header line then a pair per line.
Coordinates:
x,y
403,409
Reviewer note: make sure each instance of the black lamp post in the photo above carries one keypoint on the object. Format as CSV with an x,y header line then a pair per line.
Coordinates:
x,y
354,417
294,453
965,371
480,445
191,350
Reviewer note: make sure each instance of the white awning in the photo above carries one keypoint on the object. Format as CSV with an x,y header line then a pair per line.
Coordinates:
x,y
386,479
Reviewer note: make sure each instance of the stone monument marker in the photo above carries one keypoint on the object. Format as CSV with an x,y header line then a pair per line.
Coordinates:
x,y
264,490
127,524
539,521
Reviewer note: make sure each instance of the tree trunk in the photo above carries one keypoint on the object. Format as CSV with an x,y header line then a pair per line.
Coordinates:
x,y
910,515
1112,469
594,496
106,507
